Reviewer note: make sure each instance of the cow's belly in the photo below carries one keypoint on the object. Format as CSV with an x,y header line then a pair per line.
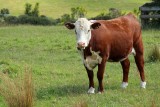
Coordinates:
x,y
121,56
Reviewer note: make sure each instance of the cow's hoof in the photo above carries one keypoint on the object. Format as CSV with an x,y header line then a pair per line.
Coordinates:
x,y
143,84
91,90
124,85
99,92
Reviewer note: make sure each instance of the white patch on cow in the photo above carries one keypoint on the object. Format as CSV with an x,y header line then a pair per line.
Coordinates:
x,y
143,84
99,92
91,61
124,84
91,90
83,31
92,21
133,51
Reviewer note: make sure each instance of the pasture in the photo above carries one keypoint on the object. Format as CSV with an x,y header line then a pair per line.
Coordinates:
x,y
60,79
56,8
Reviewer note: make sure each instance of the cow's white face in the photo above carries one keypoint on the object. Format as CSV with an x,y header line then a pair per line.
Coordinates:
x,y
83,29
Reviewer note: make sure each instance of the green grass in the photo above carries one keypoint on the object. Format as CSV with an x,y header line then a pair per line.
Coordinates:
x,y
56,8
59,77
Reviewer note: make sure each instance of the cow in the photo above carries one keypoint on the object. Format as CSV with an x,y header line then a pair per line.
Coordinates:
x,y
101,41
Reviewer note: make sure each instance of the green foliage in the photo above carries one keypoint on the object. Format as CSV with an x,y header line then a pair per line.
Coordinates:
x,y
136,12
35,11
25,19
30,12
4,11
28,8
11,20
78,12
113,13
65,18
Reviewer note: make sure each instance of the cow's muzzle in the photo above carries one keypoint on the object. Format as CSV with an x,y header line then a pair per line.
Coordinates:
x,y
80,45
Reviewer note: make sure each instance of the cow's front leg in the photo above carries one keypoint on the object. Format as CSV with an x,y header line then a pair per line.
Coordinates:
x,y
91,82
125,66
100,73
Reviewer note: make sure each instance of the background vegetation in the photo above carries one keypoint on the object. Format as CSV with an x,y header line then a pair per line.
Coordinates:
x,y
60,79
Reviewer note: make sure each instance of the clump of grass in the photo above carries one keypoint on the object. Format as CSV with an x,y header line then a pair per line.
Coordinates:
x,y
17,92
154,55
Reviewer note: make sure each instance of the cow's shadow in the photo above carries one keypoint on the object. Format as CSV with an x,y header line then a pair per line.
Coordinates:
x,y
59,91
66,90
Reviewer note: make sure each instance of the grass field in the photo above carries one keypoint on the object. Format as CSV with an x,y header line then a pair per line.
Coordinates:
x,y
56,8
59,77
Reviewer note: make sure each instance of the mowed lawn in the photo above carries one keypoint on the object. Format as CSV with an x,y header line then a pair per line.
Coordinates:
x,y
60,79
56,8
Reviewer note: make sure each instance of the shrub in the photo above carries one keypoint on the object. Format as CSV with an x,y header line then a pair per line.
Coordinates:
x,y
28,8
154,54
17,92
30,12
35,11
4,11
65,18
101,16
78,12
113,13
25,19
11,20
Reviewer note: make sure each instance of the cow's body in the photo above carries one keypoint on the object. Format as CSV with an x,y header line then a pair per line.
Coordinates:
x,y
113,40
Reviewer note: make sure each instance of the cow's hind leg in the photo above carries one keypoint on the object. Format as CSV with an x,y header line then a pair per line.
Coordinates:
x,y
91,82
140,65
140,62
125,66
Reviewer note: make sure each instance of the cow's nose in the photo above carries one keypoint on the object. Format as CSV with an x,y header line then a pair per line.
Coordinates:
x,y
81,45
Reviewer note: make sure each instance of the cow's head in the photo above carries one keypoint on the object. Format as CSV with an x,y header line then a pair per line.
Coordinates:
x,y
83,29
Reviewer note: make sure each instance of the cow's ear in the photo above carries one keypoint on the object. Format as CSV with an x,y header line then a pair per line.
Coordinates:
x,y
95,25
70,25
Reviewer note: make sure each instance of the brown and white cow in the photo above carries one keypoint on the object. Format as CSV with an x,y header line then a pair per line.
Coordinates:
x,y
102,41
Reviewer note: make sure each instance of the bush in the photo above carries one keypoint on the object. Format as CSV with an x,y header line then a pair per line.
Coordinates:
x,y
101,16
25,19
4,11
65,18
11,20
154,55
30,12
76,13
113,13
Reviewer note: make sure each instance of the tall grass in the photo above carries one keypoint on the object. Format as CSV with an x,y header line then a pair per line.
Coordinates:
x,y
17,92
154,54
